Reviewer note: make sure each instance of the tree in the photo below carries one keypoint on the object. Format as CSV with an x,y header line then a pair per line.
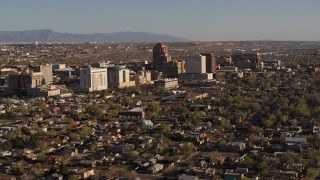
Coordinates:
x,y
93,147
126,101
165,128
248,162
17,143
225,124
24,111
290,157
63,169
85,131
262,165
267,123
301,111
42,145
73,136
130,174
284,118
38,170
6,146
255,107
94,110
155,107
18,167
196,118
52,133
33,139
311,173
133,154
43,106
73,177
187,148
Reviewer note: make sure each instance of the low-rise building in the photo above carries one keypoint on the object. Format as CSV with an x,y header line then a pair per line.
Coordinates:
x,y
166,84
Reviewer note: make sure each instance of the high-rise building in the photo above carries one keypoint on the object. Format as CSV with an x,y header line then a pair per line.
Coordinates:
x,y
246,60
160,55
46,70
180,65
211,64
195,64
93,79
142,77
20,83
119,77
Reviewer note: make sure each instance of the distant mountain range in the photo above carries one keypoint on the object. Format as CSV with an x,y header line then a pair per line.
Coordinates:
x,y
47,35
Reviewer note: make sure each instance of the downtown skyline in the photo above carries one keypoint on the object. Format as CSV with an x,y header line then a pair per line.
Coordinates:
x,y
195,20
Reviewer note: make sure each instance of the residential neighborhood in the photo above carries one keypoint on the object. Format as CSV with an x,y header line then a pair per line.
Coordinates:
x,y
218,115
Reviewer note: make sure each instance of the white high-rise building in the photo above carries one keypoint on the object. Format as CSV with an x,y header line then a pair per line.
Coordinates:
x,y
46,70
93,79
119,77
195,64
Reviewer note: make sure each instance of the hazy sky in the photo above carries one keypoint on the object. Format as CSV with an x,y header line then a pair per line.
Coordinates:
x,y
205,20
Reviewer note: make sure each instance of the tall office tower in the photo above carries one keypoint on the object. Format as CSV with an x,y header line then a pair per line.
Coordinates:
x,y
21,83
160,55
93,79
46,70
195,64
211,63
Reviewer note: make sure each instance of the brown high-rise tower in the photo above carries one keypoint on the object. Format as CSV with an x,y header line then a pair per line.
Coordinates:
x,y
211,63
160,55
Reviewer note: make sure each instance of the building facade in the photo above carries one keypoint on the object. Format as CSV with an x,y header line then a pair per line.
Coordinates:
x,y
160,55
246,60
119,77
93,79
166,84
195,64
211,62
46,70
21,83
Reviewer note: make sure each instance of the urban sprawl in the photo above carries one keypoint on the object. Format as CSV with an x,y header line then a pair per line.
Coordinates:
x,y
223,110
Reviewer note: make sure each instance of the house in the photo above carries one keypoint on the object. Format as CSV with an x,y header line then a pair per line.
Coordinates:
x,y
7,177
203,163
155,168
88,163
279,174
295,140
202,173
84,173
233,176
54,158
297,167
144,122
69,151
153,161
236,146
56,176
123,148
6,153
187,177
135,113
159,157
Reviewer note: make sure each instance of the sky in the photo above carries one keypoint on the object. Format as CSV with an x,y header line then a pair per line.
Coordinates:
x,y
198,20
